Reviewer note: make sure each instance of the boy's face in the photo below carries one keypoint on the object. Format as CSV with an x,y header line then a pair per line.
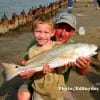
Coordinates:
x,y
43,33
63,32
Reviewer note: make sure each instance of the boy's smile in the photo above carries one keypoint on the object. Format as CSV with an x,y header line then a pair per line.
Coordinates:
x,y
42,33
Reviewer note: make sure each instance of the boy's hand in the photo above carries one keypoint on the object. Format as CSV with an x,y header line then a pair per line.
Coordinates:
x,y
27,73
23,62
47,69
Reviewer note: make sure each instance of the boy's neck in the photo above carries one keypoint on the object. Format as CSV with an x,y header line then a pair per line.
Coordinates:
x,y
48,45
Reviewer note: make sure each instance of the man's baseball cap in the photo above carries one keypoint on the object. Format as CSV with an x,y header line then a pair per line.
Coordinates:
x,y
64,17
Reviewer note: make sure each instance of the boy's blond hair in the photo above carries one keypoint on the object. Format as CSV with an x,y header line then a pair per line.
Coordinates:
x,y
41,19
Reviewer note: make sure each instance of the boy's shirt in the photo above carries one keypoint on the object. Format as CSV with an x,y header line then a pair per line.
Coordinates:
x,y
33,42
50,81
48,86
34,51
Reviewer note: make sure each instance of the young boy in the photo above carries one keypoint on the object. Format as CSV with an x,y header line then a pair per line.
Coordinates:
x,y
45,81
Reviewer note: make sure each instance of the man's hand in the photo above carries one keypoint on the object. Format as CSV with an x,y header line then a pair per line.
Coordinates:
x,y
82,64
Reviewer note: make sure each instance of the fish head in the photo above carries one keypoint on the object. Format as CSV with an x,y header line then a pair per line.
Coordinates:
x,y
11,70
85,50
91,49
94,49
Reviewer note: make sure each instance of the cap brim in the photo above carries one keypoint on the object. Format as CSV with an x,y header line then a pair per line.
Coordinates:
x,y
65,21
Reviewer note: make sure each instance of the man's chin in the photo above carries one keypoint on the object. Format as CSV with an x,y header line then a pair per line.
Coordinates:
x,y
62,40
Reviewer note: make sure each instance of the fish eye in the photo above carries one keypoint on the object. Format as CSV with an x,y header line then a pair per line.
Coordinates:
x,y
16,66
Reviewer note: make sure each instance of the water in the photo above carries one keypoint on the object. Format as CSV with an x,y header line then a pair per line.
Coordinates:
x,y
10,6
